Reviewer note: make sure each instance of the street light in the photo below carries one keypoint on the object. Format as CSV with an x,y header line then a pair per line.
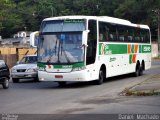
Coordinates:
x,y
157,12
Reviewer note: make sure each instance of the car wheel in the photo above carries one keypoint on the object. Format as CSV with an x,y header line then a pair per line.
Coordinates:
x,y
15,80
6,83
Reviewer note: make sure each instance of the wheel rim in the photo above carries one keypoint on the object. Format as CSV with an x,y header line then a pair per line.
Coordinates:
x,y
6,83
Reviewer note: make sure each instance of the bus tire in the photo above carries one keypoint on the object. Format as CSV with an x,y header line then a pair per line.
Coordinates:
x,y
137,70
142,68
101,77
140,71
62,83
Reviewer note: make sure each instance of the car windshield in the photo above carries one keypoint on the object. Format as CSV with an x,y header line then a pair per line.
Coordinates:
x,y
28,59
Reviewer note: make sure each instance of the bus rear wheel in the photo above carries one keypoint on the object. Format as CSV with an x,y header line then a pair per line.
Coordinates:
x,y
142,68
137,72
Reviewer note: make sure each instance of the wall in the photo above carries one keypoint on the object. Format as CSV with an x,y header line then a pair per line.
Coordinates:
x,y
12,55
154,49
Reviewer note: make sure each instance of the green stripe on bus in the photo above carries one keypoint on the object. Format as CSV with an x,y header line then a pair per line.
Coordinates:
x,y
107,49
132,49
41,65
130,58
140,48
76,65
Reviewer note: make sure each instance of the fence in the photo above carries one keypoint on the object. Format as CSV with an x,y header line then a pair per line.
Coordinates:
x,y
12,55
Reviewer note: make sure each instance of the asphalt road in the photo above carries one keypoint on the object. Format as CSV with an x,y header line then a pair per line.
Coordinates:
x,y
28,97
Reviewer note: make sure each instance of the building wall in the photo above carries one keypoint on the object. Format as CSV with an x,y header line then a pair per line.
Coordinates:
x,y
12,55
154,49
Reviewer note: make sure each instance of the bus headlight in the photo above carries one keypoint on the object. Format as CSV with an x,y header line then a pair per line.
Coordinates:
x,y
41,69
78,68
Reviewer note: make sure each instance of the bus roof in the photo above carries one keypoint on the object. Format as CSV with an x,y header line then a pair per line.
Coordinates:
x,y
100,18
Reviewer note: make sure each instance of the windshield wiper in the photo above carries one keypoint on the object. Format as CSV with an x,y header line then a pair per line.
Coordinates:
x,y
61,44
55,49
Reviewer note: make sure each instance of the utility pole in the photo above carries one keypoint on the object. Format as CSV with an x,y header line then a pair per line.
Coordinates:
x,y
159,32
157,12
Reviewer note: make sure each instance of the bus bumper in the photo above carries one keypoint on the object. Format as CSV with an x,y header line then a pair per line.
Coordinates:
x,y
71,76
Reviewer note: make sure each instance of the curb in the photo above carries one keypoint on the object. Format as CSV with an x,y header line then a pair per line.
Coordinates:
x,y
133,91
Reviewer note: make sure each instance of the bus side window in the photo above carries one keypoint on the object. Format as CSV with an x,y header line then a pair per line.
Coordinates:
x,y
146,36
106,33
130,34
103,32
137,35
141,36
121,33
112,32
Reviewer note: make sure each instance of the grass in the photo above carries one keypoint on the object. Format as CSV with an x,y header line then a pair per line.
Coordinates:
x,y
156,58
128,92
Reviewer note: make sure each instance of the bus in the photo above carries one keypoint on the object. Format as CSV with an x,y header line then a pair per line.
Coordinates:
x,y
91,48
34,39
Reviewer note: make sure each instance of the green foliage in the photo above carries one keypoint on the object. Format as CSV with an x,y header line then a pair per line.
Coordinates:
x,y
10,21
16,15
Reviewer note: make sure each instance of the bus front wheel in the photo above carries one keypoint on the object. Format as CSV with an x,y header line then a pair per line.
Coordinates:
x,y
101,77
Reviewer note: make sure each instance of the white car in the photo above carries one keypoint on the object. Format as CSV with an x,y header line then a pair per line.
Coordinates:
x,y
26,68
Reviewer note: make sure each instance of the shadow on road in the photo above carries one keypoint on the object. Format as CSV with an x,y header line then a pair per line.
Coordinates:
x,y
31,84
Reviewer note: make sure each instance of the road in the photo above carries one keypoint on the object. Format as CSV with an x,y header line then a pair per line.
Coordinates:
x,y
28,97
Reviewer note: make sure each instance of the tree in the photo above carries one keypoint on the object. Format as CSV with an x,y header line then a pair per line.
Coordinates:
x,y
16,15
9,20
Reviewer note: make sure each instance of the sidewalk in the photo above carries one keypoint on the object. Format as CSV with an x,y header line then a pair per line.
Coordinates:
x,y
150,86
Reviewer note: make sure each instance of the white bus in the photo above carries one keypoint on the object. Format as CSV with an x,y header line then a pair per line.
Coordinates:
x,y
34,36
87,48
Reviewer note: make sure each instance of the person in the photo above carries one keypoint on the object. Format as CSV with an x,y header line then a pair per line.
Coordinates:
x,y
103,36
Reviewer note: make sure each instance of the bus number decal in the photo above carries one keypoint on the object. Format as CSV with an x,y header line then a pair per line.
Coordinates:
x,y
146,49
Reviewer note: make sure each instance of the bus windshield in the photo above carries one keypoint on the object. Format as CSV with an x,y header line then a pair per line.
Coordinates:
x,y
59,48
63,26
60,41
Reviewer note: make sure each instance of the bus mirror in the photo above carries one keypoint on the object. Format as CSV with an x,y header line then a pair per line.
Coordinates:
x,y
37,33
84,37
